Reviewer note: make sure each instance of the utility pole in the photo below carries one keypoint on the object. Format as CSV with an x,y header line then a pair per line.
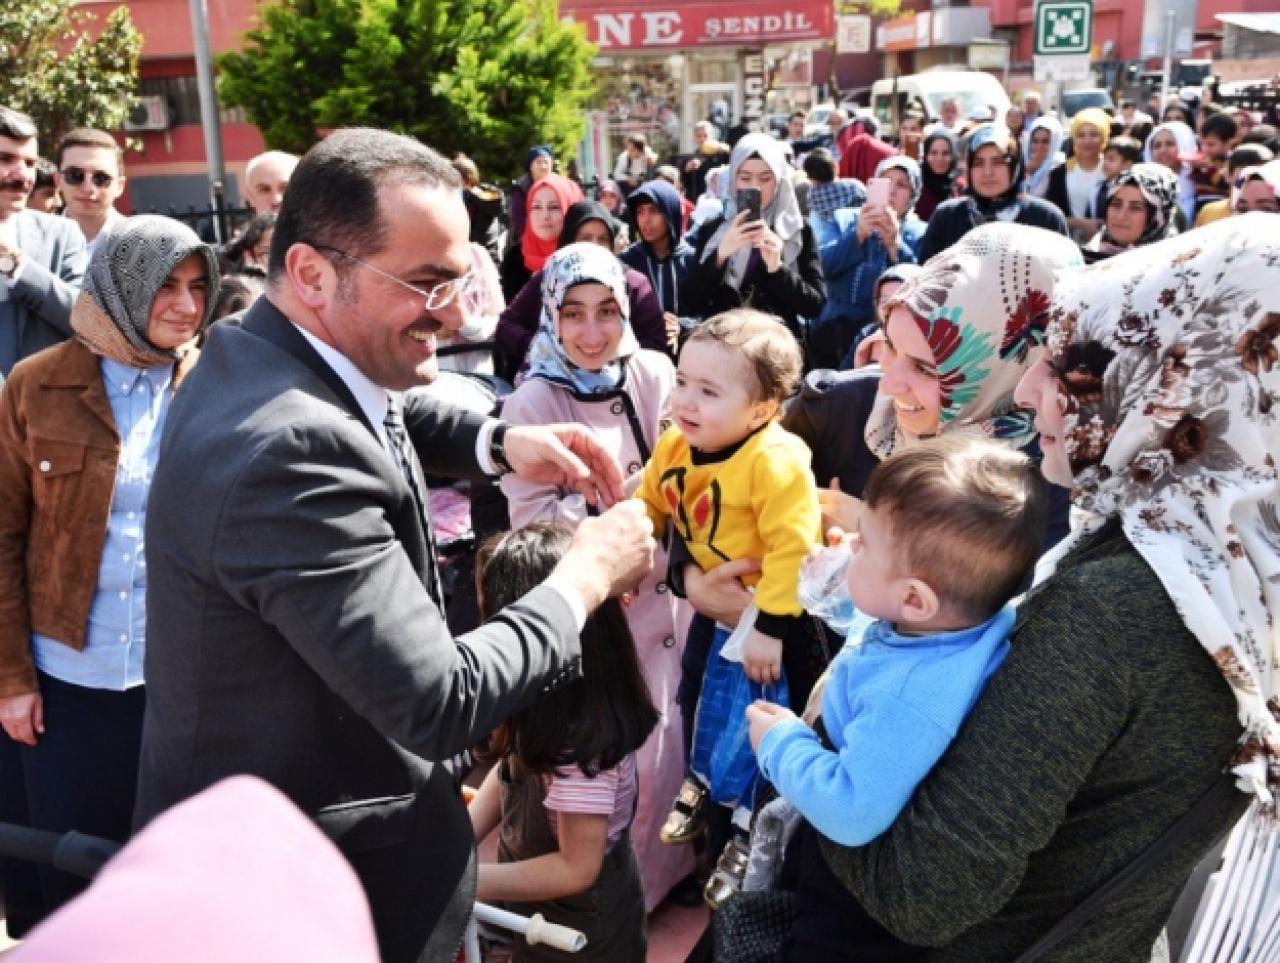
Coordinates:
x,y
1170,24
210,122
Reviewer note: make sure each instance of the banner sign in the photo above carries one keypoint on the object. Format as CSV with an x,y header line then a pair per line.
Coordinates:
x,y
703,24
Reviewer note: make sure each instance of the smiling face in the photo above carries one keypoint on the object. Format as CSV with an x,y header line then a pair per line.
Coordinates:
x,y
1087,144
17,173
546,216
989,172
711,404
1127,215
910,376
179,305
1164,150
87,201
1041,390
383,328
756,173
939,156
590,325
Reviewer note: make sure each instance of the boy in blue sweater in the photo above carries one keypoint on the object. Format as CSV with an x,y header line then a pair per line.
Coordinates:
x,y
948,532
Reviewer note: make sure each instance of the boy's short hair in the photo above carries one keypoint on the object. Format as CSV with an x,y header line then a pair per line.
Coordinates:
x,y
914,115
1221,126
771,351
967,517
89,137
820,165
1126,147
1248,155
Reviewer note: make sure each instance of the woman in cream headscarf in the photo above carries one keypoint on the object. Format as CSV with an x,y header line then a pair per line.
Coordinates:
x,y
770,264
80,427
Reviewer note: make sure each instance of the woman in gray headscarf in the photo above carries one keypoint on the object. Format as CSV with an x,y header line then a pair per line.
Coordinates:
x,y
767,260
80,427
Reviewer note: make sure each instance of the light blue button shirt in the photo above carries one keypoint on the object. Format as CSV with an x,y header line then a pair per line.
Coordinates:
x,y
117,630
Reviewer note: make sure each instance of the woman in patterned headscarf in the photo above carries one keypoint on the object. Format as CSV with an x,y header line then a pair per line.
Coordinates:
x,y
770,264
1141,209
1143,662
586,367
995,172
80,427
1257,189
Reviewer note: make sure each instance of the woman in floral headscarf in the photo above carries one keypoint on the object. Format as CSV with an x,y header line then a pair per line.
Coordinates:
x,y
586,367
1257,189
1143,663
1141,209
770,264
994,192
80,428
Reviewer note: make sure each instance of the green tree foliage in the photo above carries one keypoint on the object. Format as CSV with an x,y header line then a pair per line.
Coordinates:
x,y
488,77
67,68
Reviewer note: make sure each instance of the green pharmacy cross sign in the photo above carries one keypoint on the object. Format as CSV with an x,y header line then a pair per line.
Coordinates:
x,y
1064,26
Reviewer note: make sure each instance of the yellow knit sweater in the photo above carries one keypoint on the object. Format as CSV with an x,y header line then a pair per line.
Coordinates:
x,y
757,500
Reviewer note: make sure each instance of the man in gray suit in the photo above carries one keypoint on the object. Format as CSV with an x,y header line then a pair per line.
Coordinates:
x,y
42,258
294,624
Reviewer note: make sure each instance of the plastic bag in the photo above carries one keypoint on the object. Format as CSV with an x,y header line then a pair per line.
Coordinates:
x,y
722,754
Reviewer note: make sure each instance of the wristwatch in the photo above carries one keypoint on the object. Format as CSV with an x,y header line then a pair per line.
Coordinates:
x,y
497,449
8,262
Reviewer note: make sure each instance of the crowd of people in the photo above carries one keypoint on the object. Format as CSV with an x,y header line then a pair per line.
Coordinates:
x,y
876,541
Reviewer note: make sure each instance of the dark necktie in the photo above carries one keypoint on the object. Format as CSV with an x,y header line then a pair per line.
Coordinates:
x,y
407,459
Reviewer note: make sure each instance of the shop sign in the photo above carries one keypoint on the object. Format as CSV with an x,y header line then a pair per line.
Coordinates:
x,y
704,24
853,34
754,84
900,33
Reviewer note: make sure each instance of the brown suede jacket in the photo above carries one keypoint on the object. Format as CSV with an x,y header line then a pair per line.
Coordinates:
x,y
58,452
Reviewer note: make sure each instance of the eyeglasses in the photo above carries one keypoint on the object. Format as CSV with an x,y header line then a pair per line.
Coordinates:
x,y
75,177
439,297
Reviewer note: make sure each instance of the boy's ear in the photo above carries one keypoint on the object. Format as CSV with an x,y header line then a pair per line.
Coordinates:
x,y
761,412
919,601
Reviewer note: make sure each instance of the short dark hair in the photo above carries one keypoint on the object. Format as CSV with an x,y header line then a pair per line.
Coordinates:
x,y
797,113
771,352
967,515
236,293
914,115
1249,155
89,137
16,125
1219,125
594,722
820,165
1126,147
333,193
233,251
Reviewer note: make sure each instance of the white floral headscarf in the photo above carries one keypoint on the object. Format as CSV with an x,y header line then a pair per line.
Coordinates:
x,y
581,263
982,305
1171,372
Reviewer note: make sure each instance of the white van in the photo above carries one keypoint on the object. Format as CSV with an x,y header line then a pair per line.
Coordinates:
x,y
971,89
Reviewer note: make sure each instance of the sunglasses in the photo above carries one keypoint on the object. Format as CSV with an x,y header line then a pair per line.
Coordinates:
x,y
75,177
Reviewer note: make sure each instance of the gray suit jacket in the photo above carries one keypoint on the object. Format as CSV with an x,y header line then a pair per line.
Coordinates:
x,y
291,636
40,302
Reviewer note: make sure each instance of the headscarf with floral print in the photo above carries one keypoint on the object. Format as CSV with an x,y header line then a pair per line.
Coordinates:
x,y
574,264
1159,188
982,305
1171,376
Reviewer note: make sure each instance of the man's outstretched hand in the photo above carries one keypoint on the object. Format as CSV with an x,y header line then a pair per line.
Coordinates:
x,y
567,456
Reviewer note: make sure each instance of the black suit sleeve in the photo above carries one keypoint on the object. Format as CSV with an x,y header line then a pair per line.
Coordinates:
x,y
308,540
444,436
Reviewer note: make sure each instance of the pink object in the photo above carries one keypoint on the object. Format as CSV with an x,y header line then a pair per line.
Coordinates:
x,y
235,873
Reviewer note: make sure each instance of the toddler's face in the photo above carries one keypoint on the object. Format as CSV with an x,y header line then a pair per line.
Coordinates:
x,y
712,403
1113,164
875,584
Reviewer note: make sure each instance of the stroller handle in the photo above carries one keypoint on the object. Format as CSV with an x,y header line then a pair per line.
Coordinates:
x,y
71,852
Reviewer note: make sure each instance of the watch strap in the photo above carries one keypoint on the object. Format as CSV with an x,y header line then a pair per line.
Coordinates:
x,y
497,448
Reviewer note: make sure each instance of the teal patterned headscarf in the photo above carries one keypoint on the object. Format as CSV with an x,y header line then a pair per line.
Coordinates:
x,y
982,305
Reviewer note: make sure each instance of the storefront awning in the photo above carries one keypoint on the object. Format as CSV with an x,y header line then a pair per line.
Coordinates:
x,y
654,27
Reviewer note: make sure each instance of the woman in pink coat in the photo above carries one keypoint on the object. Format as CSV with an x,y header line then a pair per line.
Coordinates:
x,y
585,366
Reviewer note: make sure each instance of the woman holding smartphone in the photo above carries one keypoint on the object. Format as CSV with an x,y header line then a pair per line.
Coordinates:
x,y
760,251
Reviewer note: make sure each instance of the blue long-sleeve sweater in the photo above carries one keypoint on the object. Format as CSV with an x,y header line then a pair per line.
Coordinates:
x,y
852,267
891,707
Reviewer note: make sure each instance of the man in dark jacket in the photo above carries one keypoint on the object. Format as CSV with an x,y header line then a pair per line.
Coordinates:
x,y
660,254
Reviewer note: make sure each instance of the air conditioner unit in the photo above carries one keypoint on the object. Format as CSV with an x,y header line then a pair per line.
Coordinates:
x,y
148,113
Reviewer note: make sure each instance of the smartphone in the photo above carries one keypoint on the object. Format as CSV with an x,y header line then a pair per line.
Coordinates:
x,y
878,189
748,199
